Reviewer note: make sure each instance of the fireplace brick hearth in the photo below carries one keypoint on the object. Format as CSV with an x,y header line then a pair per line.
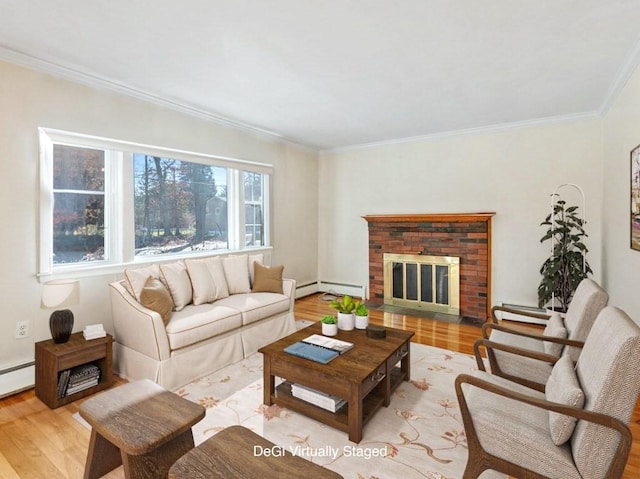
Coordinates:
x,y
465,235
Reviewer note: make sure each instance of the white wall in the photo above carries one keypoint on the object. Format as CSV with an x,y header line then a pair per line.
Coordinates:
x,y
511,172
29,100
621,264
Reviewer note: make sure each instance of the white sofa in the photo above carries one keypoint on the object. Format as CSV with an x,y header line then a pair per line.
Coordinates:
x,y
205,333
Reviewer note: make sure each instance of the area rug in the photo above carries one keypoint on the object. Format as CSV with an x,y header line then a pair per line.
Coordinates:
x,y
420,435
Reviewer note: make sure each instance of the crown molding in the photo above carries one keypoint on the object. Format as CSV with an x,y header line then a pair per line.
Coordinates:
x,y
623,75
77,76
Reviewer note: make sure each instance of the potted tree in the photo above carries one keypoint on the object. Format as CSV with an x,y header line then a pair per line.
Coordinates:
x,y
329,325
567,265
345,307
362,316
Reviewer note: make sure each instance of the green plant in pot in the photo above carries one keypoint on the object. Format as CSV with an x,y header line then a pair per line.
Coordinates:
x,y
567,265
329,325
362,316
345,307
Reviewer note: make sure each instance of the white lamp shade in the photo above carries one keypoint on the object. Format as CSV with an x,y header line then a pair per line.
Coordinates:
x,y
60,293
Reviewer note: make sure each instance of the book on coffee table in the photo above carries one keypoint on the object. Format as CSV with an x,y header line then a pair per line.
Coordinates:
x,y
336,345
313,352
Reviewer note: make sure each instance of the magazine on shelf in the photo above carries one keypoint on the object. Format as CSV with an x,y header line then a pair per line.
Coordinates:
x,y
317,398
340,347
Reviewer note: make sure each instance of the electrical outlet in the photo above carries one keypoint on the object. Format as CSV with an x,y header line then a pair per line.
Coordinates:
x,y
22,329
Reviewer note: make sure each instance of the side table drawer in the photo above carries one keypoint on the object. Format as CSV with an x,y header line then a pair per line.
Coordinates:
x,y
86,355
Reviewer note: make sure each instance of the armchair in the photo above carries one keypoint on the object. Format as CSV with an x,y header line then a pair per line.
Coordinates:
x,y
575,429
562,336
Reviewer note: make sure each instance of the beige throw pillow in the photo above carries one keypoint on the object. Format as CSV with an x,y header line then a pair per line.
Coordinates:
x,y
156,297
136,278
253,259
177,279
555,328
268,279
207,280
236,271
563,387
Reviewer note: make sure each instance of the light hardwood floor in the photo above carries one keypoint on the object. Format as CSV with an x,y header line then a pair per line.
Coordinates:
x,y
38,442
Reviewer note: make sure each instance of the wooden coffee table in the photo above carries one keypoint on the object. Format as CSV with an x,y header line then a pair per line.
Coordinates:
x,y
364,376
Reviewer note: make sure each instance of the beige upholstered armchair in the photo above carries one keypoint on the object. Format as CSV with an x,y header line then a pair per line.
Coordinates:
x,y
527,358
576,428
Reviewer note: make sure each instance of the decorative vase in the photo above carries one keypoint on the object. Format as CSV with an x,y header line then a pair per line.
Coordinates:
x,y
329,329
61,325
362,322
346,321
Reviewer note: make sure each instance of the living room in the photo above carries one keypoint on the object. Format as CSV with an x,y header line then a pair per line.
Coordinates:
x,y
319,195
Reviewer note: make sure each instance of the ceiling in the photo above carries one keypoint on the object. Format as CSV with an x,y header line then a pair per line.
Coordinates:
x,y
338,73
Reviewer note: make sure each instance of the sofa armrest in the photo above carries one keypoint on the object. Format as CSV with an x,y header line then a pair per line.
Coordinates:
x,y
137,327
289,290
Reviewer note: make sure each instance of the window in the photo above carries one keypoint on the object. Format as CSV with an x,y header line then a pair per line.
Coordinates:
x,y
106,202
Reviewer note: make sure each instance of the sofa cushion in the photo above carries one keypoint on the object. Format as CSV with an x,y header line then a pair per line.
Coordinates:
x,y
563,387
136,278
197,323
156,297
177,279
236,271
267,279
555,328
256,306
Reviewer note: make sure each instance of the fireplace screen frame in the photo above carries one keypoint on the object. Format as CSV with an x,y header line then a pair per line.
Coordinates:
x,y
452,264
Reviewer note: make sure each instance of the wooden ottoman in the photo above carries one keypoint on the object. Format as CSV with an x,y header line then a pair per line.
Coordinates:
x,y
141,426
238,453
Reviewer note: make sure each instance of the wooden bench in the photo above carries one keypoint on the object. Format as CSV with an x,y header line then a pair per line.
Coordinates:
x,y
238,453
141,426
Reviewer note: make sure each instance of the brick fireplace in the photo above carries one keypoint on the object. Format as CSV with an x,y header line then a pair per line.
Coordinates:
x,y
463,235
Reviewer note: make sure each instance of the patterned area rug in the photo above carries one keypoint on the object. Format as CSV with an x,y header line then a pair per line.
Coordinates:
x,y
420,435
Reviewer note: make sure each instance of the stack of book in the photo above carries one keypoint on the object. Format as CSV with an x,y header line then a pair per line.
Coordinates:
x,y
78,379
319,348
317,398
336,345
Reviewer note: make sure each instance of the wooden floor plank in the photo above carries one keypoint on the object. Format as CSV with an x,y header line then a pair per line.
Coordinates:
x,y
37,442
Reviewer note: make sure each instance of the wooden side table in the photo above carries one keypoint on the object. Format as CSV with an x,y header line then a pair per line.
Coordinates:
x,y
52,359
141,426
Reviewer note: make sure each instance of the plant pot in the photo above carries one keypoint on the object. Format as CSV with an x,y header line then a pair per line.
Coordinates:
x,y
362,322
329,329
346,321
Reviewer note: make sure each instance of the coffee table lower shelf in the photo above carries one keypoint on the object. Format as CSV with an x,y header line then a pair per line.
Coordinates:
x,y
373,401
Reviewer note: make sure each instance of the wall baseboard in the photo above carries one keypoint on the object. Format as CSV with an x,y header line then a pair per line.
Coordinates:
x,y
17,379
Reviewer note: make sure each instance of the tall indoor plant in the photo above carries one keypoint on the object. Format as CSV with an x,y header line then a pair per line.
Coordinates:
x,y
567,265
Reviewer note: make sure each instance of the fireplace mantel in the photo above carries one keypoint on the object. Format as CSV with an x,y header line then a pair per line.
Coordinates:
x,y
463,235
430,218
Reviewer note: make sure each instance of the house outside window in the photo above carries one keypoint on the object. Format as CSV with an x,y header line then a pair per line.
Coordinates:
x,y
110,203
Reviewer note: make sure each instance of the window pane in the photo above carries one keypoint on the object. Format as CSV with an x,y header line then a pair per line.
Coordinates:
x,y
78,168
78,204
179,206
78,227
253,211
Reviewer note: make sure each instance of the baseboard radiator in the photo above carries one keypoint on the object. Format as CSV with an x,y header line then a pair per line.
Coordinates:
x,y
17,378
355,290
520,318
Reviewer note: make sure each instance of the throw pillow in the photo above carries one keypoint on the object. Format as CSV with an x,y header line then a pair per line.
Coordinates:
x,y
137,278
268,279
204,288
236,271
253,259
563,387
177,279
555,328
156,297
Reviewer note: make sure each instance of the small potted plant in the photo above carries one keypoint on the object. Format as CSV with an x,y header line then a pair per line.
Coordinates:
x,y
345,307
329,325
362,316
